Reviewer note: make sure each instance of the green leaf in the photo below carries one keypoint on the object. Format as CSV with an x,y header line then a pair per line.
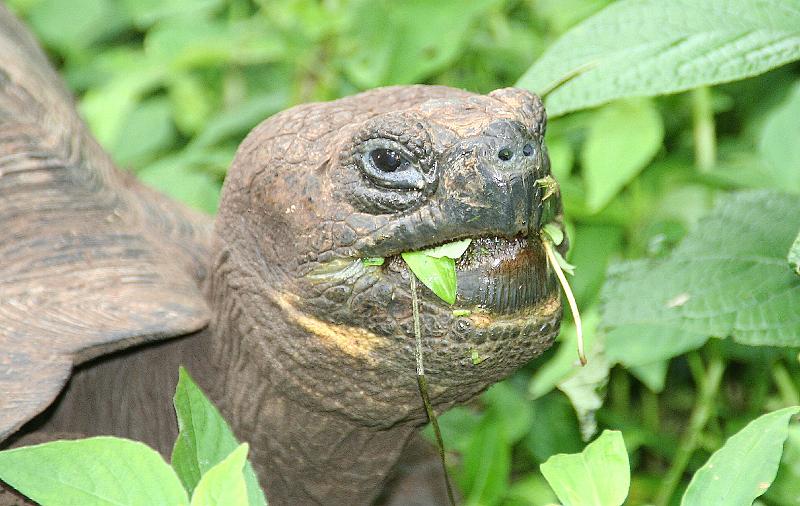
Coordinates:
x,y
778,144
651,47
623,138
745,466
373,261
147,130
487,464
786,487
224,484
405,42
204,440
451,250
176,179
436,267
728,277
598,476
438,274
794,254
97,471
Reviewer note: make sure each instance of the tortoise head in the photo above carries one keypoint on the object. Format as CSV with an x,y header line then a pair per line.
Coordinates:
x,y
318,188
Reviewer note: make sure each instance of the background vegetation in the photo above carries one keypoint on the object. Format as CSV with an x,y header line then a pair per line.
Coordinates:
x,y
170,87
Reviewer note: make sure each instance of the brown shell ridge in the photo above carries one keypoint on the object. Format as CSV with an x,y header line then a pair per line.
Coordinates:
x,y
90,260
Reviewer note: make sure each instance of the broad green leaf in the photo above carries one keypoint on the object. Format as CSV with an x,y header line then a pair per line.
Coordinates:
x,y
180,182
530,489
438,274
224,484
486,468
239,119
598,476
147,130
728,277
623,138
779,146
786,487
99,471
436,267
794,255
651,47
73,25
204,440
512,408
745,466
405,42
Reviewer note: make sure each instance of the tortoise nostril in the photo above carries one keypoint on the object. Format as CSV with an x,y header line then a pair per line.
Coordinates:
x,y
527,149
505,154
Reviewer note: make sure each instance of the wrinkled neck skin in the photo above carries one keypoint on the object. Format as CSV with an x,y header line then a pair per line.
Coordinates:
x,y
302,455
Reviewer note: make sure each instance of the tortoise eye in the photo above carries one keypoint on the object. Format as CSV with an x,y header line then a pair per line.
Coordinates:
x,y
388,160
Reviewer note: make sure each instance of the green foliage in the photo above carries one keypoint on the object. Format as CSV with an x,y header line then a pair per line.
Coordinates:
x,y
745,466
224,484
170,87
622,139
650,47
98,471
207,464
598,476
205,440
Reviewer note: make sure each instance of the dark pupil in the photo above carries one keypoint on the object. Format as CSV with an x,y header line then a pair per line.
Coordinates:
x,y
387,160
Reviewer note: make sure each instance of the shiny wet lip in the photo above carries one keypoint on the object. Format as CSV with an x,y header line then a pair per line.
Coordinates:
x,y
499,275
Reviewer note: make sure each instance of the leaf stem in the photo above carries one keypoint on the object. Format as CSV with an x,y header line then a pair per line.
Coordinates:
x,y
786,387
705,136
422,384
702,411
573,306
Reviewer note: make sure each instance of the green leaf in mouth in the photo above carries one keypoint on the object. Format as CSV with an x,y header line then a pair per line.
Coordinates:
x,y
436,267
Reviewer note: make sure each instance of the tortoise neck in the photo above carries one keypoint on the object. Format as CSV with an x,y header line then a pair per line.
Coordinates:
x,y
302,455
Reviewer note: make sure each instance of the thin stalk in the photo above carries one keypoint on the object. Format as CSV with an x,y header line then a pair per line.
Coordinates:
x,y
702,411
786,387
422,384
573,306
705,135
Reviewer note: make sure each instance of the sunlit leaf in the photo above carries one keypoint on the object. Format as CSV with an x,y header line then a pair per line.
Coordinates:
x,y
224,484
598,476
745,466
436,267
779,146
623,137
204,440
100,471
650,47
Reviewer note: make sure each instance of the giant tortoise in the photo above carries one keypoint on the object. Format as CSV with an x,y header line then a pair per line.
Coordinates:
x,y
106,286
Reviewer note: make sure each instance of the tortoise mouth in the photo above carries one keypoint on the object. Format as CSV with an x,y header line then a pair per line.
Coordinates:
x,y
498,275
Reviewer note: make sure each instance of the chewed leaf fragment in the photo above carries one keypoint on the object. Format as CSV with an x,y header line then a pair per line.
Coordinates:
x,y
436,267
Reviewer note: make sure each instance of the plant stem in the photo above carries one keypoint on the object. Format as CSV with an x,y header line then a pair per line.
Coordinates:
x,y
422,384
573,305
786,387
705,136
702,411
